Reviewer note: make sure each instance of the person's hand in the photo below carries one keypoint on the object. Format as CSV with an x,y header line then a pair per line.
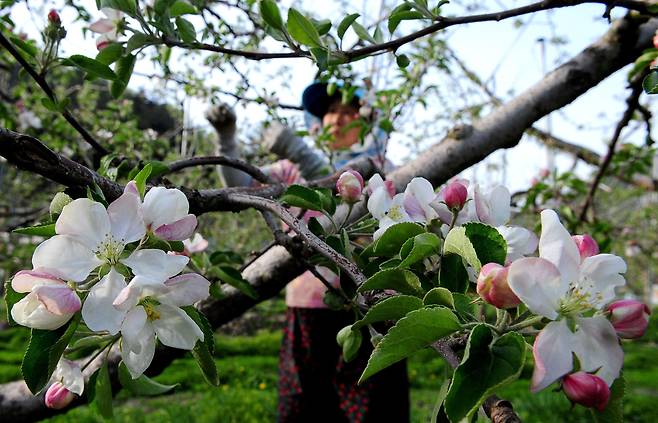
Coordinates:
x,y
222,117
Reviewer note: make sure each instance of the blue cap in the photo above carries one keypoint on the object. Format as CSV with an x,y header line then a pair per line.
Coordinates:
x,y
316,101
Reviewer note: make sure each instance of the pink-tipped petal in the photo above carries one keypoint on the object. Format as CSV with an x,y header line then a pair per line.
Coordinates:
x,y
58,299
25,280
184,290
552,353
178,230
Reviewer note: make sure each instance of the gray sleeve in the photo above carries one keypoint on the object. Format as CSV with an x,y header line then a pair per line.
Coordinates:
x,y
223,119
282,141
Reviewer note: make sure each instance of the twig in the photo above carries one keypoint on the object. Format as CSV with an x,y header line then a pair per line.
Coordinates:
x,y
252,170
49,92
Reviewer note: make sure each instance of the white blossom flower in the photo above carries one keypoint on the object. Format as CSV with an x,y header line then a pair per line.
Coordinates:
x,y
107,27
166,213
67,382
565,288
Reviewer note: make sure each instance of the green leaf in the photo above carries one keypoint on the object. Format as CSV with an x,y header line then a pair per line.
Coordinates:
x,y
49,104
303,30
181,7
302,197
91,341
362,32
349,338
269,11
642,62
127,6
203,323
395,19
487,365
47,229
206,363
142,385
614,411
141,178
489,244
320,55
393,308
323,26
233,277
464,306
458,243
403,281
650,83
424,245
43,353
28,48
101,395
413,332
390,242
328,200
402,60
138,40
11,298
186,30
346,23
110,54
124,70
439,296
453,275
93,67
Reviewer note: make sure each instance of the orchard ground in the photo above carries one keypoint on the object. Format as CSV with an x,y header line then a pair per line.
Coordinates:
x,y
247,357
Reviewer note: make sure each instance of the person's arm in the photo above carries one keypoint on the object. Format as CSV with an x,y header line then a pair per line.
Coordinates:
x,y
223,119
284,143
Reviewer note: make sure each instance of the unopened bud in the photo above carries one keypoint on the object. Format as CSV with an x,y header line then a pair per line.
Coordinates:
x,y
58,397
586,246
655,40
587,390
492,286
53,17
350,186
630,318
58,202
455,195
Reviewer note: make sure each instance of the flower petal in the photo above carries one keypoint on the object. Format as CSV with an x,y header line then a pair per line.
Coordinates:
x,y
556,246
102,26
492,208
70,375
58,299
600,275
25,280
155,265
85,220
175,328
538,284
520,241
65,257
30,312
379,203
552,352
98,311
185,290
178,230
597,347
164,205
138,343
126,218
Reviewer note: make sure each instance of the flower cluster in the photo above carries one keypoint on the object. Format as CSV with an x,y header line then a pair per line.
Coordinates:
x,y
97,263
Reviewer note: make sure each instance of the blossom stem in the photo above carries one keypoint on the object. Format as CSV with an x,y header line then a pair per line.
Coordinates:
x,y
524,324
99,352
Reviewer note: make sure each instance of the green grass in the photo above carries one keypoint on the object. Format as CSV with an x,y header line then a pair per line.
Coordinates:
x,y
248,371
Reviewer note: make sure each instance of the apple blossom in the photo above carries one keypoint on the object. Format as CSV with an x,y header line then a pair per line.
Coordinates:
x,y
166,213
349,186
585,389
492,207
520,242
49,304
455,195
564,288
376,181
195,244
418,197
492,286
147,308
587,246
630,318
68,382
388,211
285,172
107,27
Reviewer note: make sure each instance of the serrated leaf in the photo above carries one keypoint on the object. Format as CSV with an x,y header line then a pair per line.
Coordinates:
x,y
47,229
269,11
186,30
43,353
346,23
424,245
453,274
110,54
415,331
93,67
650,83
302,197
390,242
181,7
11,298
233,277
487,365
439,296
458,243
203,323
489,244
362,33
206,363
393,308
142,385
124,70
400,280
302,30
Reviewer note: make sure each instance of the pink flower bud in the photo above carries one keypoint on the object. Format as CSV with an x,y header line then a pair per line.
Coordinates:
x,y
586,246
544,173
587,390
53,17
493,288
454,195
655,40
376,182
58,397
350,186
630,318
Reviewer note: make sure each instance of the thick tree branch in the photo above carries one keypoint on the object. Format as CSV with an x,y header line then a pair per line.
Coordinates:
x,y
248,168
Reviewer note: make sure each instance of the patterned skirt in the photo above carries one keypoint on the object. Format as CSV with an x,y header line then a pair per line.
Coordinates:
x,y
317,385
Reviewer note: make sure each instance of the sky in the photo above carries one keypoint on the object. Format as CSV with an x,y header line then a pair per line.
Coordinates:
x,y
509,58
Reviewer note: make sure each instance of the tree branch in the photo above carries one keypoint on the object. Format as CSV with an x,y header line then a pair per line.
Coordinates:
x,y
252,170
